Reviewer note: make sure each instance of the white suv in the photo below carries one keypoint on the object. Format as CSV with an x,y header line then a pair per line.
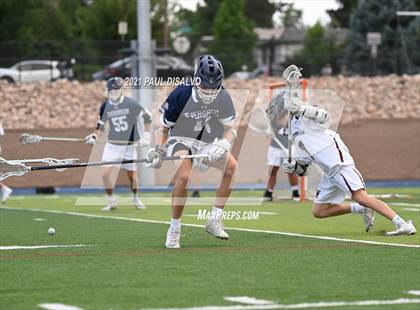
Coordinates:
x,y
32,71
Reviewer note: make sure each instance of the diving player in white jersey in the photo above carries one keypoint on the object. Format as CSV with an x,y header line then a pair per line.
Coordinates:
x,y
315,143
121,113
198,120
5,190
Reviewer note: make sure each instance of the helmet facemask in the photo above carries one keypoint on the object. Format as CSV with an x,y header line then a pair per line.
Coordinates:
x,y
207,95
115,95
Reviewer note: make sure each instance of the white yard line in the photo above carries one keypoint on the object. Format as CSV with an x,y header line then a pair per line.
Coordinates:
x,y
229,228
411,209
321,304
58,307
404,204
414,292
248,300
36,247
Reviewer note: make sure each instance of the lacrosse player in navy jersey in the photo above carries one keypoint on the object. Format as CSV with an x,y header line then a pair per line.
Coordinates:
x,y
5,190
121,113
198,119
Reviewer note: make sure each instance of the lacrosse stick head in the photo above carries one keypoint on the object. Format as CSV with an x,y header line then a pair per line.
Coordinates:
x,y
8,169
55,162
292,76
26,138
259,122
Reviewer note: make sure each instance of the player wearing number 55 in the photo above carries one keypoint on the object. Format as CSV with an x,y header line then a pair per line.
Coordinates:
x,y
121,114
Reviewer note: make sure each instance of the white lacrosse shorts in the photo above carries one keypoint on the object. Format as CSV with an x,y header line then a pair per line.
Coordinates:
x,y
335,189
194,147
120,152
275,156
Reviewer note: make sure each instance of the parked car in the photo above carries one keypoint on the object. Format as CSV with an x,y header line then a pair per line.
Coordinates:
x,y
166,66
37,70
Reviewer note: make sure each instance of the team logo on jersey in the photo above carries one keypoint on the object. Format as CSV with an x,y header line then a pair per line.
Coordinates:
x,y
202,114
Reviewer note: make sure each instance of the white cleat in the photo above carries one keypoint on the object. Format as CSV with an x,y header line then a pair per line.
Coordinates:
x,y
215,227
6,194
173,237
405,229
368,216
138,203
109,207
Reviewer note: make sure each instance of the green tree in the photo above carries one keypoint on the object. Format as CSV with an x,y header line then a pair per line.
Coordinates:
x,y
319,49
204,17
289,15
399,48
260,12
234,37
341,16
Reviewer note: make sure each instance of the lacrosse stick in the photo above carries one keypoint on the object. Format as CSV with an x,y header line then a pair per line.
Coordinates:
x,y
259,123
26,138
49,161
15,168
292,76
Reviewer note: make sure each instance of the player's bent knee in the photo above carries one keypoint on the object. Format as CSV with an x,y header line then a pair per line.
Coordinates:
x,y
106,173
360,196
319,212
182,180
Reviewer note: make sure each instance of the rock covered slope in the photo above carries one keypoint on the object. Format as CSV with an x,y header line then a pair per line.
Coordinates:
x,y
65,104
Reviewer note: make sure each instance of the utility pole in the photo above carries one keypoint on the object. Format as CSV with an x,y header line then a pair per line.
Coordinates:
x,y
145,69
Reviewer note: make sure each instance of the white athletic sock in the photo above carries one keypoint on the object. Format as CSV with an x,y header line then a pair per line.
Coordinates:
x,y
356,208
111,199
294,187
4,188
134,195
398,221
175,223
216,213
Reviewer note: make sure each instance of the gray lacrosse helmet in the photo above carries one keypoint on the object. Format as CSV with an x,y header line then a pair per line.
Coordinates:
x,y
275,109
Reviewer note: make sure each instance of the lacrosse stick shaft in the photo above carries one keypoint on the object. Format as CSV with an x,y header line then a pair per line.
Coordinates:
x,y
289,137
62,139
115,162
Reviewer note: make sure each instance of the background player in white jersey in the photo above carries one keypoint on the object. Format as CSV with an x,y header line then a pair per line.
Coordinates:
x,y
315,143
5,190
198,120
275,156
121,113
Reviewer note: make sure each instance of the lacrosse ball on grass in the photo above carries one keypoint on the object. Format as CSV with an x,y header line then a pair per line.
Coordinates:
x,y
51,231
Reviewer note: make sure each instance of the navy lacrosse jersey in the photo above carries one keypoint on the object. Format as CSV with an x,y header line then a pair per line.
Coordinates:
x,y
122,118
186,116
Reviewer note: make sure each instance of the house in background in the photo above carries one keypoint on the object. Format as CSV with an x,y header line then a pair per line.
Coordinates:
x,y
275,45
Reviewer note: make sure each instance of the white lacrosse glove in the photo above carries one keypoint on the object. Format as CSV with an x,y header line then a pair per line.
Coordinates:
x,y
288,167
91,139
155,157
145,139
314,113
292,102
299,168
1,131
218,150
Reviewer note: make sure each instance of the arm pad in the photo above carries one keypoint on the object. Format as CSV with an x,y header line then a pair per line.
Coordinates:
x,y
314,113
